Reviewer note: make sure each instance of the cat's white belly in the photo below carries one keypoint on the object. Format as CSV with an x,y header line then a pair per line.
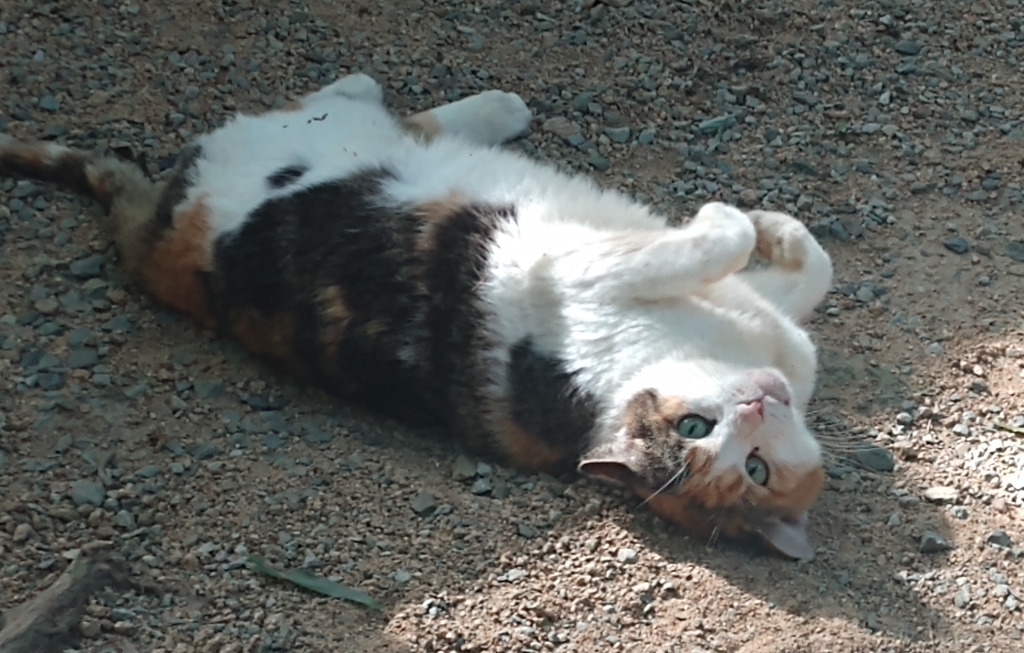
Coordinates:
x,y
331,139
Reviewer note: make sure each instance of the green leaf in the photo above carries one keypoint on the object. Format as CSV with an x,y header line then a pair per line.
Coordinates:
x,y
313,583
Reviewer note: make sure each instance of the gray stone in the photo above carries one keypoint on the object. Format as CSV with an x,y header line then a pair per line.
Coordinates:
x,y
957,245
149,471
84,492
209,389
932,542
273,441
618,134
941,494
125,520
875,458
314,435
907,47
716,124
90,266
135,391
402,576
204,450
865,294
481,486
962,598
50,380
82,357
47,306
628,556
424,504
598,162
463,469
22,532
582,101
49,103
39,465
1015,250
79,337
999,537
560,126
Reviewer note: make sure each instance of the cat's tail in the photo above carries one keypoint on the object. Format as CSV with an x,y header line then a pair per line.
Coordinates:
x,y
140,214
127,196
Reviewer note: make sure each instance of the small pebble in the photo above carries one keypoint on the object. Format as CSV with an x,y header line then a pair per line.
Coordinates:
x,y
424,504
957,245
463,468
999,537
84,492
941,494
932,542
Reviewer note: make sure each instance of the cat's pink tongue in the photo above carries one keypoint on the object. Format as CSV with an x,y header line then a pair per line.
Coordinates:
x,y
789,537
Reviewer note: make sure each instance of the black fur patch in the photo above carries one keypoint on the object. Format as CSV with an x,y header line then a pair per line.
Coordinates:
x,y
546,401
286,175
410,314
454,268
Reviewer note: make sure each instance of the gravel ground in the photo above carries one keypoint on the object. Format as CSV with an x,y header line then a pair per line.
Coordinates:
x,y
893,128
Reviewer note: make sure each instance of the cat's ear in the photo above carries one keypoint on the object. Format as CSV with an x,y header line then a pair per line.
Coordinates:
x,y
618,462
789,537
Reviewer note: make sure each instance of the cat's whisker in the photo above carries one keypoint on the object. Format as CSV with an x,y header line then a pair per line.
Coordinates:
x,y
669,483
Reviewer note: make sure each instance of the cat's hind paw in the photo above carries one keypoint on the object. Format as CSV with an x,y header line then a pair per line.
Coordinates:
x,y
488,118
357,86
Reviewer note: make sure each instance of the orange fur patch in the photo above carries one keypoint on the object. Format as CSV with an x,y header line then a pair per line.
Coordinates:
x,y
793,489
334,314
526,451
435,213
693,519
172,271
294,105
268,336
423,125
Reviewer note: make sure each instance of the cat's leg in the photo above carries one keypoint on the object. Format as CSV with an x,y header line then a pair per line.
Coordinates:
x,y
489,118
357,86
800,271
664,263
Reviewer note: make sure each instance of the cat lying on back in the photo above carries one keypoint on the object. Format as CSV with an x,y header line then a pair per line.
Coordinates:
x,y
414,266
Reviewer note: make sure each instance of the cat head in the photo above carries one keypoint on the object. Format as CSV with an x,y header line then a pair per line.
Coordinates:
x,y
717,451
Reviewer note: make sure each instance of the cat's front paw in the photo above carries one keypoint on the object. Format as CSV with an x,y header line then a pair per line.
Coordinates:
x,y
782,239
733,233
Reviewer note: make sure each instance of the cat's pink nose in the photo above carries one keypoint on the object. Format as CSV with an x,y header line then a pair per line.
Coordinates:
x,y
752,411
771,384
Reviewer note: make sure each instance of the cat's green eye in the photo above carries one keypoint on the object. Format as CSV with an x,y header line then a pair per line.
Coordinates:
x,y
695,427
757,470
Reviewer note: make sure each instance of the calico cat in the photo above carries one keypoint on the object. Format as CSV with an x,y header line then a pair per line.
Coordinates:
x,y
415,266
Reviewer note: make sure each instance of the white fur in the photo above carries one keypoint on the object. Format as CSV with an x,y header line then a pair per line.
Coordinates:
x,y
592,276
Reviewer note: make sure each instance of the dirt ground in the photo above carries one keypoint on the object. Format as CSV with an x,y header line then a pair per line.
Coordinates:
x,y
892,128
